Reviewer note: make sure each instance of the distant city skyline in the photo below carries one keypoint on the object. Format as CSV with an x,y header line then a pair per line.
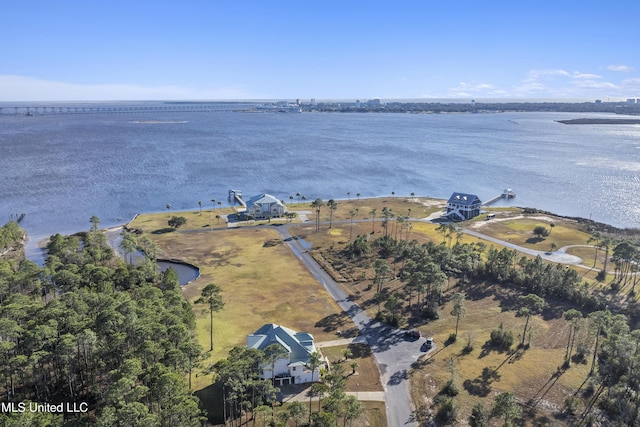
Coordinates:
x,y
75,50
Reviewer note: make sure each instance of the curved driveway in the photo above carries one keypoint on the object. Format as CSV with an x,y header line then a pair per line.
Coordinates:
x,y
557,256
394,354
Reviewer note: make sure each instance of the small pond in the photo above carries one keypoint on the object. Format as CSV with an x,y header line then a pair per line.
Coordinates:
x,y
186,272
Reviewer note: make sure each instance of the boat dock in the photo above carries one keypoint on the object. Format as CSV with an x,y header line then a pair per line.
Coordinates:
x,y
506,194
235,196
18,217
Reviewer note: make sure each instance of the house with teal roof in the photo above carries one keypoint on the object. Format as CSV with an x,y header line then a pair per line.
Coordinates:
x,y
265,206
298,346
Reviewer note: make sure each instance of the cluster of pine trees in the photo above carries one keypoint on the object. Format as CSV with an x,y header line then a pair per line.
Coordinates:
x,y
92,330
607,339
248,397
10,237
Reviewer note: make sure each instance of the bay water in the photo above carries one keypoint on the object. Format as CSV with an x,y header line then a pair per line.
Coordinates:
x,y
60,169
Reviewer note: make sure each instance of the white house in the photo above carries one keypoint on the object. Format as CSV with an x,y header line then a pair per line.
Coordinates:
x,y
461,206
265,206
298,345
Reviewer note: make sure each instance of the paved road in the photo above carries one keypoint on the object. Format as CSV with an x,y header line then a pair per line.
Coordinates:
x,y
558,256
393,352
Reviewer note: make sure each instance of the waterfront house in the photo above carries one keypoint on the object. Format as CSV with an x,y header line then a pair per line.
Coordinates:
x,y
265,206
298,346
461,206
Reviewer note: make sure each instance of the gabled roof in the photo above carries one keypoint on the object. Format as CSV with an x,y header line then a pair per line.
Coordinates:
x,y
262,199
298,344
464,199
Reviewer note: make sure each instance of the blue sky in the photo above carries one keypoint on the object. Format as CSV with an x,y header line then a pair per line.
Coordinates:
x,y
235,49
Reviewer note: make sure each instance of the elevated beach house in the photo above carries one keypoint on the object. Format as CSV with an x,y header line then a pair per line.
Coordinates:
x,y
291,369
265,206
461,206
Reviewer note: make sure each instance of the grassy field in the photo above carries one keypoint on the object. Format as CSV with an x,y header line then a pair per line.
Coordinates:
x,y
532,374
262,282
366,377
518,229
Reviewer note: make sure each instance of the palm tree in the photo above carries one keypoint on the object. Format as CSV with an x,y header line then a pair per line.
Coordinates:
x,y
200,204
332,205
351,214
349,195
169,209
574,317
317,204
211,296
531,304
298,195
313,363
393,194
458,308
219,204
273,353
358,196
95,223
128,244
373,213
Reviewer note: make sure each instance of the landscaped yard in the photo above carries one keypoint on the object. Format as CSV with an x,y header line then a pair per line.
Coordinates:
x,y
261,281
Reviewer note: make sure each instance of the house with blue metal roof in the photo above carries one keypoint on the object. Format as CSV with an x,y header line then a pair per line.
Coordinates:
x,y
265,206
461,206
298,346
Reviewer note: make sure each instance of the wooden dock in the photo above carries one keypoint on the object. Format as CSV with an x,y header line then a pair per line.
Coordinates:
x,y
506,194
235,196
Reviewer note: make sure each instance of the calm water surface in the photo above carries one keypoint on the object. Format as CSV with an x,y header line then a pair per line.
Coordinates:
x,y
60,169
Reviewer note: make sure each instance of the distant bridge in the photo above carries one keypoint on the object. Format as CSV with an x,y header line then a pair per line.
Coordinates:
x,y
33,110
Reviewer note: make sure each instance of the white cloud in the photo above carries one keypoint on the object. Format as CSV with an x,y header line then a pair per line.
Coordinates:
x,y
579,75
620,68
466,89
20,88
592,84
535,75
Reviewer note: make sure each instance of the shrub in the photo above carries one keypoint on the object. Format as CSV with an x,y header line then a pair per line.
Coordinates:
x,y
177,221
479,416
501,339
450,389
447,412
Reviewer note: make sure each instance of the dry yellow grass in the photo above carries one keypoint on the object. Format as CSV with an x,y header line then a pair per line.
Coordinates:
x,y
366,377
483,373
261,281
518,229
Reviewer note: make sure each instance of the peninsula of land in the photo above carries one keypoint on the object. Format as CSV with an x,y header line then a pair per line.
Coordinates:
x,y
600,121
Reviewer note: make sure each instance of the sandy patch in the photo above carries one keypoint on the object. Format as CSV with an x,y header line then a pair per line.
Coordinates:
x,y
431,203
499,218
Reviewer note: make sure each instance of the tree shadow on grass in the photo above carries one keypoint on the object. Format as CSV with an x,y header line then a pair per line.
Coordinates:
x,y
333,322
481,386
164,230
534,240
359,351
542,392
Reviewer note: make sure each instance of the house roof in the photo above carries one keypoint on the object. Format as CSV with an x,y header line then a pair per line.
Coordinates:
x,y
298,344
464,199
261,199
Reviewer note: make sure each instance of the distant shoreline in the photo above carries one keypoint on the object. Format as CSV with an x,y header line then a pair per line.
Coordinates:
x,y
600,121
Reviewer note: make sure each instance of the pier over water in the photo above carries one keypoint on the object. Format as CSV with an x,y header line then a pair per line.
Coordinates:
x,y
506,194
